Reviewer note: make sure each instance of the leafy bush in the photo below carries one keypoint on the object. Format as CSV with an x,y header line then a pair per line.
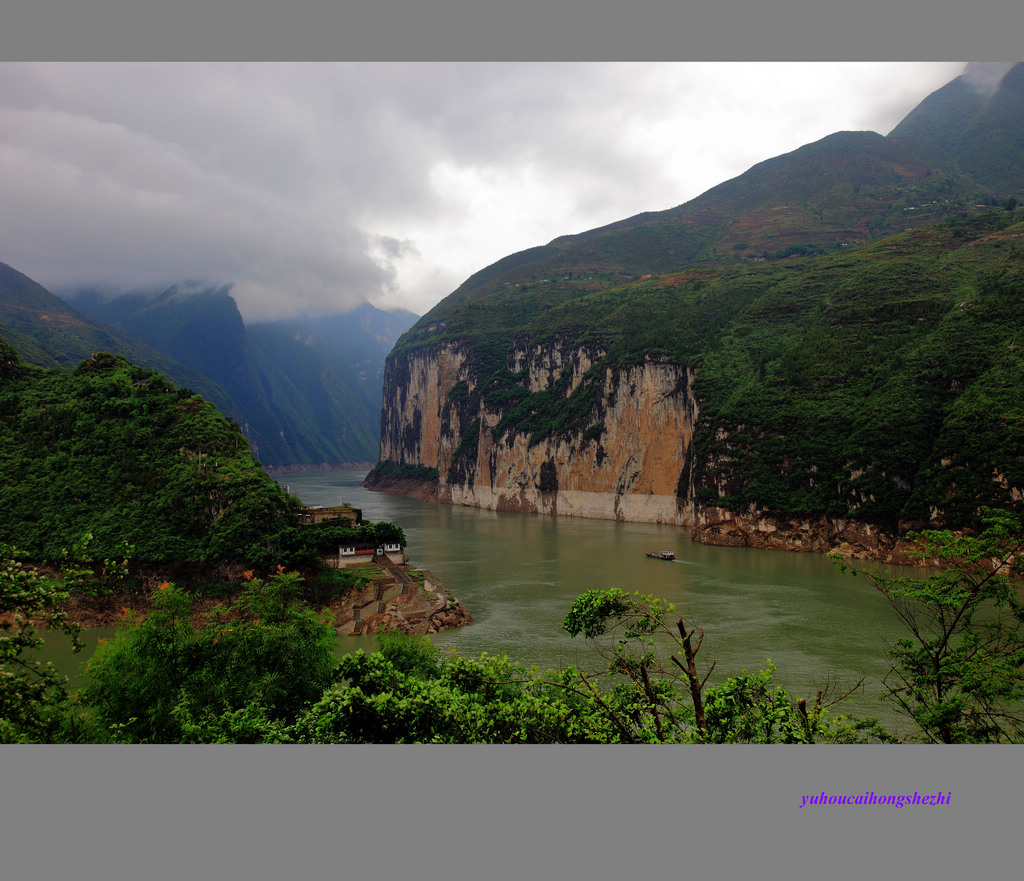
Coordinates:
x,y
163,679
34,701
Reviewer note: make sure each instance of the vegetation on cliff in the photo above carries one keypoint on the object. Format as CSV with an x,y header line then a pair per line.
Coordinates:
x,y
850,312
882,382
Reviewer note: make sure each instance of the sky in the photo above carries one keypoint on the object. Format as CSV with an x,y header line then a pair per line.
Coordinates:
x,y
314,187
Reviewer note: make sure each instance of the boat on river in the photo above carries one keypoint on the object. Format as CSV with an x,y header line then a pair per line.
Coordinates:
x,y
660,555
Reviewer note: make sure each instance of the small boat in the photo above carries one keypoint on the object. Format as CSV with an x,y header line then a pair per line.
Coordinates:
x,y
660,555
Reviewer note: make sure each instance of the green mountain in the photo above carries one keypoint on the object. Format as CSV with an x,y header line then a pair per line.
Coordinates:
x,y
47,332
307,391
977,132
817,351
116,451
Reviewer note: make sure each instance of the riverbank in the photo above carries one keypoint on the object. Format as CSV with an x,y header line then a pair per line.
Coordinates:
x,y
717,527
394,597
818,534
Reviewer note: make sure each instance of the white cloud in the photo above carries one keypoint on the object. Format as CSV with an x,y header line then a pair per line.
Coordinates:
x,y
312,186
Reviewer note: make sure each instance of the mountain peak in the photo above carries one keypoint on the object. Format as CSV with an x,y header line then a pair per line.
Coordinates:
x,y
986,76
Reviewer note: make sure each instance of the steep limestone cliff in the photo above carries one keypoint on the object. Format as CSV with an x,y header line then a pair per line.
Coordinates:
x,y
626,459
629,456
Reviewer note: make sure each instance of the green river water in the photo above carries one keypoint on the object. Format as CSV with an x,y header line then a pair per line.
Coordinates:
x,y
517,574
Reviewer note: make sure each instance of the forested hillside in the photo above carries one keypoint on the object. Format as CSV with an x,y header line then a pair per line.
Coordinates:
x,y
829,339
117,451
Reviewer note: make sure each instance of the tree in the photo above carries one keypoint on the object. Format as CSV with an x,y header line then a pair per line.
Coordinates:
x,y
408,692
34,701
649,701
241,676
960,673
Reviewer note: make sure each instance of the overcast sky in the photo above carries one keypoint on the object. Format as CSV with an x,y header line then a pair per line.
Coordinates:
x,y
312,187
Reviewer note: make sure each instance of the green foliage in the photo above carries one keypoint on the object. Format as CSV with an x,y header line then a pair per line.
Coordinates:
x,y
858,387
246,670
464,457
116,451
411,654
486,700
249,724
595,611
554,412
957,673
652,690
302,546
330,584
34,701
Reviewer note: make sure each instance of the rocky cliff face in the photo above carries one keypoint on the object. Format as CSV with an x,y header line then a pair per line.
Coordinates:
x,y
848,538
633,460
630,461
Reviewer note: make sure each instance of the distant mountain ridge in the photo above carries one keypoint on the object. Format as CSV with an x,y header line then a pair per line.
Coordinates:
x,y
309,390
306,392
47,332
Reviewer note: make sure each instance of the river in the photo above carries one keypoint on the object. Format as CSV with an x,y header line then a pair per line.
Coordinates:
x,y
517,574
